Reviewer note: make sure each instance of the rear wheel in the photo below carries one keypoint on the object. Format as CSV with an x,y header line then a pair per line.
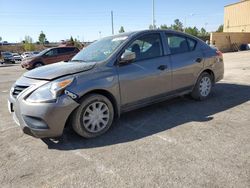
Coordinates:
x,y
94,116
203,87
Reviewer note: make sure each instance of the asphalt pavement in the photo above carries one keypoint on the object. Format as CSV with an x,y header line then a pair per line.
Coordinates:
x,y
177,143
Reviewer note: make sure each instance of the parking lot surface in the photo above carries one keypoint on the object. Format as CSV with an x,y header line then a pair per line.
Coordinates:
x,y
177,143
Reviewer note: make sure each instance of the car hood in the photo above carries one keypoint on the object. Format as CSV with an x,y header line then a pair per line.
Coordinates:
x,y
56,70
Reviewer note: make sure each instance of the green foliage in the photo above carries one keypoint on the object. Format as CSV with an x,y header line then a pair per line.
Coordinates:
x,y
121,30
42,38
164,27
74,42
77,44
71,40
203,32
192,31
28,44
220,29
1,38
178,25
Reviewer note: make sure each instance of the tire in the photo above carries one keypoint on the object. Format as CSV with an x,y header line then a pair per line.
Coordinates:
x,y
38,64
89,123
203,87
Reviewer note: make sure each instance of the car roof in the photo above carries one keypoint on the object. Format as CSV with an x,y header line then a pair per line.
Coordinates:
x,y
63,47
153,31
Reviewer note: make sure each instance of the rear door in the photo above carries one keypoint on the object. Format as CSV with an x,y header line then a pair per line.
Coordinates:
x,y
186,59
149,75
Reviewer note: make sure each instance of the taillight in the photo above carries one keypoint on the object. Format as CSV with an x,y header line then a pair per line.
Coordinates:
x,y
219,56
219,53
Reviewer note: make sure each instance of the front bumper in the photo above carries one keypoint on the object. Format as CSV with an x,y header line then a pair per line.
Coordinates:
x,y
41,120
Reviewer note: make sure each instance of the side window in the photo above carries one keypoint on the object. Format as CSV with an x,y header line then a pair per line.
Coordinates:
x,y
52,52
177,44
180,44
147,47
192,44
65,50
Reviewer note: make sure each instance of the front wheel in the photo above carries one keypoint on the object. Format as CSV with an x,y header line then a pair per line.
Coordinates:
x,y
94,116
203,87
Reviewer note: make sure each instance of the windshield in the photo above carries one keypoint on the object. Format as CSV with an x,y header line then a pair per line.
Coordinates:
x,y
100,50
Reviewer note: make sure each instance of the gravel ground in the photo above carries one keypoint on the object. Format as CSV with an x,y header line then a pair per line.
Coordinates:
x,y
178,143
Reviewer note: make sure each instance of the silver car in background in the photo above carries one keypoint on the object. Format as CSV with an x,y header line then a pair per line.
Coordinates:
x,y
111,76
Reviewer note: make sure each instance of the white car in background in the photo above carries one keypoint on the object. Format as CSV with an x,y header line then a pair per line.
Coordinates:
x,y
17,57
29,54
26,54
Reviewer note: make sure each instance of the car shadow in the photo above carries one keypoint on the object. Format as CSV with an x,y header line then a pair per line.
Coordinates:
x,y
160,117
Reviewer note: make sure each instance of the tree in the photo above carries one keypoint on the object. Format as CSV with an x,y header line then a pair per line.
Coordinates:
x,y
220,29
164,27
77,44
178,25
203,32
42,38
192,31
71,40
151,26
121,30
1,39
28,44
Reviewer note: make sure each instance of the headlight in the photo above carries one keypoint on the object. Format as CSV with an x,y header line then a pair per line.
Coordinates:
x,y
50,91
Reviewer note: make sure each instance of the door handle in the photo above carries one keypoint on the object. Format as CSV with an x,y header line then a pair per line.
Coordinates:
x,y
162,67
198,60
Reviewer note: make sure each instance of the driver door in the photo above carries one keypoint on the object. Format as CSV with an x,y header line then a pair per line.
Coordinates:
x,y
149,76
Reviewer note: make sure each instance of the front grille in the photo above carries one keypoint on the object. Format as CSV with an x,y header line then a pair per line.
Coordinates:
x,y
18,89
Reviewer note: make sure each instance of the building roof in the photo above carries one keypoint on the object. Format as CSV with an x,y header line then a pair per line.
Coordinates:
x,y
242,1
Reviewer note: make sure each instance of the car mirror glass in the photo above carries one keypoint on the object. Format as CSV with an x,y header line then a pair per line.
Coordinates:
x,y
127,57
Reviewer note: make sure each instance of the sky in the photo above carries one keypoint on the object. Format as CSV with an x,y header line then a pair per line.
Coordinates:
x,y
88,20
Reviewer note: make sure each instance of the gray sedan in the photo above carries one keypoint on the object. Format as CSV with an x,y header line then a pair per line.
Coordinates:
x,y
111,76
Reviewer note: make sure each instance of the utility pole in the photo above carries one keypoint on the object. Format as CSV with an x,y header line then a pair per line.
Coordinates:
x,y
112,22
153,14
185,21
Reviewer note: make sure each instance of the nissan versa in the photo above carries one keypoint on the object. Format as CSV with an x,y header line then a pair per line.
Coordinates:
x,y
113,75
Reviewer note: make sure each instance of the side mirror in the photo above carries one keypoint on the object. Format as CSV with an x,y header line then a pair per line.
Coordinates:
x,y
127,57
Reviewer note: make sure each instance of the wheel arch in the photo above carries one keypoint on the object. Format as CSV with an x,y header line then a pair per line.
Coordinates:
x,y
103,92
210,72
107,94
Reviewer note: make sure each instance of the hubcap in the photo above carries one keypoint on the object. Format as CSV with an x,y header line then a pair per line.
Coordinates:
x,y
205,86
96,117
